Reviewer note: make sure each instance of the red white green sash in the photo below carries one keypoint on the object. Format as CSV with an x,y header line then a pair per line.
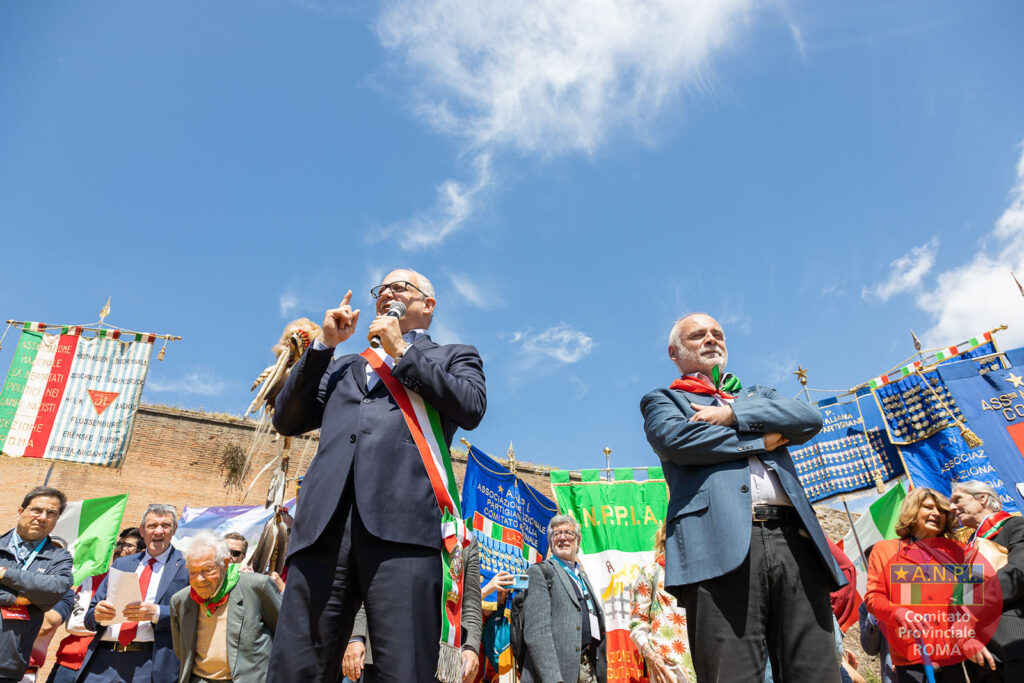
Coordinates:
x,y
992,525
424,423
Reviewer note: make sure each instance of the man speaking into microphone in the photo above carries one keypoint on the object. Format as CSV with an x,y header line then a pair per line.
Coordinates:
x,y
368,528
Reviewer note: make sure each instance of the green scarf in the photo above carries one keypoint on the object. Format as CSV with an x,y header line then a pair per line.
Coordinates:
x,y
211,604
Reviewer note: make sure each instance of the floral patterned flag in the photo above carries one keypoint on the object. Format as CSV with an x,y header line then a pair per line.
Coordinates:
x,y
619,520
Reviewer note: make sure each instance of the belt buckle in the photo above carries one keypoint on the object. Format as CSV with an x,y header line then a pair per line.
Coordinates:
x,y
762,513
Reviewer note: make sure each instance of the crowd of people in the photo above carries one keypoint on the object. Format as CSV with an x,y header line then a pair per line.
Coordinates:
x,y
383,583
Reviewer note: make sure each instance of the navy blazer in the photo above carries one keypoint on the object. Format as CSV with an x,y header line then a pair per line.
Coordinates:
x,y
363,436
45,583
709,510
173,578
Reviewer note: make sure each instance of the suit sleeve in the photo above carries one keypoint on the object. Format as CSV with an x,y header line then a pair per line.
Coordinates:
x,y
457,391
1011,576
66,605
299,407
359,624
472,601
798,421
675,439
44,590
176,601
537,635
101,594
270,602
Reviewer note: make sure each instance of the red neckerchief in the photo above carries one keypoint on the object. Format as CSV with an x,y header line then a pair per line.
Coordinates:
x,y
697,383
210,607
992,525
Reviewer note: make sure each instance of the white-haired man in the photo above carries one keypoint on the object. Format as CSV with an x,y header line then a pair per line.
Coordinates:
x,y
977,506
368,529
139,649
223,623
563,622
745,554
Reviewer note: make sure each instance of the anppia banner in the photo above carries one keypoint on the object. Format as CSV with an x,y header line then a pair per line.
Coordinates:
x,y
73,398
619,520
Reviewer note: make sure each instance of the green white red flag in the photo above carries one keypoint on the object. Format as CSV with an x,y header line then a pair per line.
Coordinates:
x,y
90,528
72,398
619,520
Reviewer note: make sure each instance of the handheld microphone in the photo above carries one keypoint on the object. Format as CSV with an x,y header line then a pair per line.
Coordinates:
x,y
396,310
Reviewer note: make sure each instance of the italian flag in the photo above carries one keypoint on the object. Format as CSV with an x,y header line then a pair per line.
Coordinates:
x,y
877,524
90,527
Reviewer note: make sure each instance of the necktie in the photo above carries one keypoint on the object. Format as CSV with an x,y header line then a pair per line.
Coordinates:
x,y
130,629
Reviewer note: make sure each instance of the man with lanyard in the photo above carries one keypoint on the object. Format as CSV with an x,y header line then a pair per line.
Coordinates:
x,y
34,575
369,526
745,554
977,506
138,648
563,623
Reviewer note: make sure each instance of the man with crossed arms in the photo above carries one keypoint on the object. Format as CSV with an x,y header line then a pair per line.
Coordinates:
x,y
367,529
745,554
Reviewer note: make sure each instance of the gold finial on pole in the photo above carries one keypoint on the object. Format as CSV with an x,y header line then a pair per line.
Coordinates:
x,y
463,441
917,342
801,376
608,461
511,458
105,311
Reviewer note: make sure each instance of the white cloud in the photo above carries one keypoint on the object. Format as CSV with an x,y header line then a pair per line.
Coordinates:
x,y
906,272
198,382
288,302
561,342
981,293
542,78
475,293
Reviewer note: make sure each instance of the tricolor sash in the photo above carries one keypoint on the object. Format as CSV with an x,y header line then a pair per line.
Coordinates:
x,y
424,423
992,525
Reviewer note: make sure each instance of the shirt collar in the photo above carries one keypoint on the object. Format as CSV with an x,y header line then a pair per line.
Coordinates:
x,y
413,335
161,559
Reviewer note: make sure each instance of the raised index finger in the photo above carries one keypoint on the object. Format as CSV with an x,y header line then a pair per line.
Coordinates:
x,y
344,301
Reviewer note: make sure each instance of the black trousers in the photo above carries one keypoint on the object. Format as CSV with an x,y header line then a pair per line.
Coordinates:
x,y
399,584
778,596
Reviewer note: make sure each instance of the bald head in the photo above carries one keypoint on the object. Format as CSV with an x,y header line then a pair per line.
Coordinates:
x,y
697,344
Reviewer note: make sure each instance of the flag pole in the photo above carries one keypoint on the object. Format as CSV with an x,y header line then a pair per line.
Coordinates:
x,y
853,528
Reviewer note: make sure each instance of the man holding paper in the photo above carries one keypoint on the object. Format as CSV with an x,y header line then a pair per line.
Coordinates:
x,y
369,525
131,609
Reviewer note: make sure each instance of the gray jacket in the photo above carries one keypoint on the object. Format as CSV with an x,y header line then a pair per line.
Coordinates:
x,y
552,621
472,608
253,606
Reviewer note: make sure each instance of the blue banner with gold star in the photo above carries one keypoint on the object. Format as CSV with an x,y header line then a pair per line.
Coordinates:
x,y
992,404
509,517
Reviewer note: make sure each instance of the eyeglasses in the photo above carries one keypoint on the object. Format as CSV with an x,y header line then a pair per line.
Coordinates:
x,y
396,287
128,546
567,534
235,553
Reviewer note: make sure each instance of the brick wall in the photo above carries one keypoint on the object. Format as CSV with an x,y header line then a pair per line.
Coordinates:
x,y
175,457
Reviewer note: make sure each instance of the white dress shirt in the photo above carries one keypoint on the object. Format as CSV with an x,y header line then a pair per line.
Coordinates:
x,y
144,634
371,376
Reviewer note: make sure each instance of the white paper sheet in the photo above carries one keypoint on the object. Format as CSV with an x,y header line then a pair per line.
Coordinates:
x,y
122,590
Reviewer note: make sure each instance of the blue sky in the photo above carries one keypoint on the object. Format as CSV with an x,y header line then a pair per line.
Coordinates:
x,y
820,176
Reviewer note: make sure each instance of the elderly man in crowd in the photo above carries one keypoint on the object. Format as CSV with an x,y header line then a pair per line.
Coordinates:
x,y
138,647
35,574
373,534
563,623
238,546
977,506
745,554
222,624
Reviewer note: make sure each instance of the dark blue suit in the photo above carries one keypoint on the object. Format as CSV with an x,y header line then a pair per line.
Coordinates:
x,y
714,554
162,666
367,524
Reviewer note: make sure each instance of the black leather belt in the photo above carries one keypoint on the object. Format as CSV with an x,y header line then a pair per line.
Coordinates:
x,y
130,647
774,513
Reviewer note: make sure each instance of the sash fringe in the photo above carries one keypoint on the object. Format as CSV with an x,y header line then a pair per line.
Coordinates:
x,y
449,664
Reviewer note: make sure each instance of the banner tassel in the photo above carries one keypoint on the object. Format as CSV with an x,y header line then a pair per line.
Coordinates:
x,y
163,351
449,664
969,437
972,439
